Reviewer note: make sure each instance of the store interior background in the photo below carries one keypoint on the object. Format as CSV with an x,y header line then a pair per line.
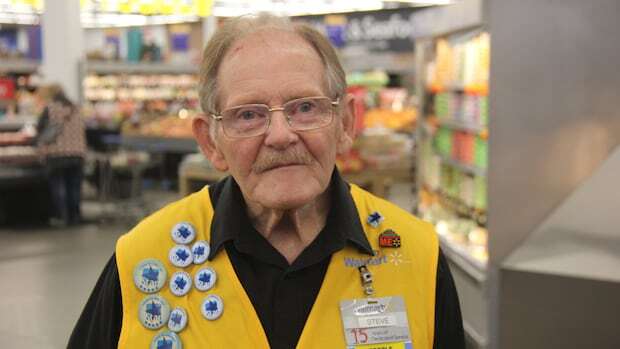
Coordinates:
x,y
496,120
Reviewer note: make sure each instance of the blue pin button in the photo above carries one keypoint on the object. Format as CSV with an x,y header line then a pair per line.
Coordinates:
x,y
178,320
166,340
149,275
180,256
180,283
205,279
154,312
183,233
212,307
200,250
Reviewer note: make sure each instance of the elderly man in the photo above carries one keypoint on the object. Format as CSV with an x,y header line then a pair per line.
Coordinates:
x,y
283,253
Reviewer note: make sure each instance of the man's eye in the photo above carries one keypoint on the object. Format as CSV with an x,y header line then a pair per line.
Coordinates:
x,y
247,115
306,107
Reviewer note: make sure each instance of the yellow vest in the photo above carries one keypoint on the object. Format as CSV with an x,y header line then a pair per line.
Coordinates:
x,y
408,271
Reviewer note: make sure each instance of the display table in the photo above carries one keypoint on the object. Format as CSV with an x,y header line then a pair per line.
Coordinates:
x,y
377,181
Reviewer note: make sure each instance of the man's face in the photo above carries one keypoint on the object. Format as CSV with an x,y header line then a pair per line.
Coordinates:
x,y
281,169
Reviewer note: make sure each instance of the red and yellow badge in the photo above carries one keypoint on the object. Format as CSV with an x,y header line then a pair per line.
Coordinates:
x,y
389,238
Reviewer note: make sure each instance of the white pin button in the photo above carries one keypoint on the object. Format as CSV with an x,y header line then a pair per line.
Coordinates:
x,y
154,312
205,279
180,283
183,233
149,275
178,320
166,340
200,250
212,307
180,256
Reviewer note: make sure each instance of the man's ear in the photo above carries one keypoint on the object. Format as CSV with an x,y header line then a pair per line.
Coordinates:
x,y
200,127
347,127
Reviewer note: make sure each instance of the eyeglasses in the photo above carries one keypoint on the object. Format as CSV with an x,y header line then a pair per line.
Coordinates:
x,y
303,114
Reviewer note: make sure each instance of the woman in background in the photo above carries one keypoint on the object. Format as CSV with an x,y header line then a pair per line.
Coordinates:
x,y
62,144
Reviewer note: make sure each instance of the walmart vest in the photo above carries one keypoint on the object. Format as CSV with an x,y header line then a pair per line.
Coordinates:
x,y
408,271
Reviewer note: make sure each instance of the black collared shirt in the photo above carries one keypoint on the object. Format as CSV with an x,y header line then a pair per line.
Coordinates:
x,y
281,294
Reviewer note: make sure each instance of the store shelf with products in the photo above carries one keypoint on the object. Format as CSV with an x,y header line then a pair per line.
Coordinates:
x,y
22,175
16,142
23,66
141,105
115,67
20,58
386,117
453,155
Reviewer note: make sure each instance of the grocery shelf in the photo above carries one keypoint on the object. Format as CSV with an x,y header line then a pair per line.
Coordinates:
x,y
103,67
159,144
462,126
16,123
460,208
471,169
19,65
460,255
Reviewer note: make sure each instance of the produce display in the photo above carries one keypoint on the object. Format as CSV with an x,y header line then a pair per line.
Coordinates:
x,y
153,105
454,151
167,127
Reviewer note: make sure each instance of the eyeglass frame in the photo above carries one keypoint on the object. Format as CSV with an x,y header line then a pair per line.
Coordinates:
x,y
220,117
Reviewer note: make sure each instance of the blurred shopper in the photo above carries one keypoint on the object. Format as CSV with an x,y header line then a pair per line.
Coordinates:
x,y
283,253
62,145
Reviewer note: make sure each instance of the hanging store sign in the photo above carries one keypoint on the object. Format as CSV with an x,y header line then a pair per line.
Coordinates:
x,y
376,31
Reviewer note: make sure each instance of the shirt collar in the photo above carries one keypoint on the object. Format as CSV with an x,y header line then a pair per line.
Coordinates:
x,y
230,215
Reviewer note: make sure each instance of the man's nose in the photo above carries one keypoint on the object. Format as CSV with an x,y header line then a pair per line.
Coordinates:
x,y
280,135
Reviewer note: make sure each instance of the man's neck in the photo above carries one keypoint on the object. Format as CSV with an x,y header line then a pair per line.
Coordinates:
x,y
291,231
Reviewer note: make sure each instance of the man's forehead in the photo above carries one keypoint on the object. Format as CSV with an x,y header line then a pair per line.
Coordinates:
x,y
270,40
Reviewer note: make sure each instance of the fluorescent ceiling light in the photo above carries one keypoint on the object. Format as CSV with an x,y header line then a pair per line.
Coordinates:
x,y
19,18
232,8
107,20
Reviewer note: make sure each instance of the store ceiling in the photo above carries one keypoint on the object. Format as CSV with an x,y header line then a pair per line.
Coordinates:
x,y
105,13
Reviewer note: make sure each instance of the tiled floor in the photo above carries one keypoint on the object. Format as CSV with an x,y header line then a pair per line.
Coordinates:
x,y
47,274
46,277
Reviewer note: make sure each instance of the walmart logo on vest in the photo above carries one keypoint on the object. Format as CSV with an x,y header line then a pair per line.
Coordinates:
x,y
378,259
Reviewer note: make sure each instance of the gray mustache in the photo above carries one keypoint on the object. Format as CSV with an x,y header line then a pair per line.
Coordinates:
x,y
271,159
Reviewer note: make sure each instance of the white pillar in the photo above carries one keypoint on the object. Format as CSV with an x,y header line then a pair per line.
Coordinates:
x,y
63,47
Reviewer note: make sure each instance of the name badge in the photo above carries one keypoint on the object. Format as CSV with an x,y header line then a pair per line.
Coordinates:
x,y
376,323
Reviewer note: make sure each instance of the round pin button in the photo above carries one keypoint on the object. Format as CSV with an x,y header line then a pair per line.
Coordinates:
x,y
154,312
180,256
212,307
200,250
178,320
183,233
180,283
149,275
166,340
205,279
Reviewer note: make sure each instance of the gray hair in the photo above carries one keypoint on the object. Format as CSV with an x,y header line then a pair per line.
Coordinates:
x,y
237,28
